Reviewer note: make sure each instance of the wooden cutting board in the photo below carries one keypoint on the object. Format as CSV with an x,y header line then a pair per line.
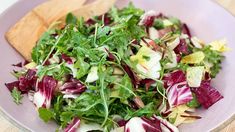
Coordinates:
x,y
6,126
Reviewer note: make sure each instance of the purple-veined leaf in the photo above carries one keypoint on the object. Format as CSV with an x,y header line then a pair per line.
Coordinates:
x,y
44,95
72,127
206,94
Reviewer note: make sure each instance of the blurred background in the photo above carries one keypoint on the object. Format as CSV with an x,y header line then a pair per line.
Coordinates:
x,y
6,126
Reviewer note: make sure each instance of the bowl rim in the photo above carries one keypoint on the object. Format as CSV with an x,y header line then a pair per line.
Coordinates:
x,y
22,127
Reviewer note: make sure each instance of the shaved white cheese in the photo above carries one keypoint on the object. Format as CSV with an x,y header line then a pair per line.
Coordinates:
x,y
196,42
153,33
72,68
173,58
195,75
93,75
148,62
167,23
219,45
177,112
172,45
31,65
194,58
86,127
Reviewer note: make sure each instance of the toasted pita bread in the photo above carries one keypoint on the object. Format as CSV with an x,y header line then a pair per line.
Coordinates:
x,y
52,10
99,7
25,33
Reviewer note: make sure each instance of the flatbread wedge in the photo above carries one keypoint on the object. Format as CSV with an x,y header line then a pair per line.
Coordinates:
x,y
97,8
25,33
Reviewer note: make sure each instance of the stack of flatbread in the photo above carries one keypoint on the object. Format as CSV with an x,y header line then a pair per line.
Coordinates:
x,y
24,35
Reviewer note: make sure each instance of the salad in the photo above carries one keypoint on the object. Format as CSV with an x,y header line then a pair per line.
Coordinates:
x,y
125,71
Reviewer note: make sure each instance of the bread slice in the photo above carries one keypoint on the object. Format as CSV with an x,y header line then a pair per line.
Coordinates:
x,y
52,10
26,32
97,8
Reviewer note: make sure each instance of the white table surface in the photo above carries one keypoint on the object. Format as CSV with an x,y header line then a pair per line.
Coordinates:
x,y
5,4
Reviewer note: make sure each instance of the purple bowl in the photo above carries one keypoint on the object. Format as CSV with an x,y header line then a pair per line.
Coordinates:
x,y
205,18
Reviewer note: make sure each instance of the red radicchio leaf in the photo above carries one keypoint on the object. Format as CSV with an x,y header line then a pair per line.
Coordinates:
x,y
164,108
186,30
25,62
178,91
178,58
28,81
148,18
43,97
206,94
73,87
18,64
122,123
154,125
67,59
73,125
182,47
148,22
161,16
90,22
12,85
111,57
134,79
147,83
178,94
173,78
133,105
207,76
165,125
135,41
107,19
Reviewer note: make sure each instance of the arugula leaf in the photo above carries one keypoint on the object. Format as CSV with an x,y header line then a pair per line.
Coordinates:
x,y
130,9
54,70
92,45
42,49
71,19
114,14
16,95
193,103
103,93
82,66
124,88
158,24
66,117
45,114
147,111
212,60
